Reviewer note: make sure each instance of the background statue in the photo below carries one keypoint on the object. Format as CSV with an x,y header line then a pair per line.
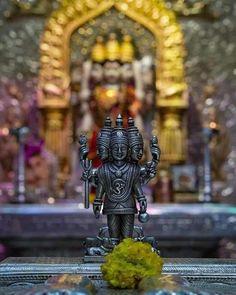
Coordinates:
x,y
111,84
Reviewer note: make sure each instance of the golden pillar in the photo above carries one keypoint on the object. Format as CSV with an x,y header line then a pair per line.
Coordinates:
x,y
55,115
172,136
172,129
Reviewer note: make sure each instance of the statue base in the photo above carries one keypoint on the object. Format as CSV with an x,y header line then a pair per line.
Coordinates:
x,y
99,246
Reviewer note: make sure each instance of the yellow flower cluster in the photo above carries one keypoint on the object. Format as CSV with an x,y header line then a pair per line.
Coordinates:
x,y
130,262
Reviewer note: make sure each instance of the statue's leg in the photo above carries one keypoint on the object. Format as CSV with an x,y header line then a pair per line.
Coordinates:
x,y
127,225
113,222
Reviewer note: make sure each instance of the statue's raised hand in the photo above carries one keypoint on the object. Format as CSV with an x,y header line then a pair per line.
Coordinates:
x,y
151,169
83,150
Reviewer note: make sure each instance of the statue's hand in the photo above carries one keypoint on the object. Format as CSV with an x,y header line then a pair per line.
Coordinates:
x,y
143,205
97,204
151,169
86,175
83,149
155,149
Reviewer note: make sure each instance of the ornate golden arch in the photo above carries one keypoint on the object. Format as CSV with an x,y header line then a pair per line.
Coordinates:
x,y
54,79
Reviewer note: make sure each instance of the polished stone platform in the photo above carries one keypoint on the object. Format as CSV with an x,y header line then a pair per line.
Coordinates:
x,y
69,220
216,276
182,230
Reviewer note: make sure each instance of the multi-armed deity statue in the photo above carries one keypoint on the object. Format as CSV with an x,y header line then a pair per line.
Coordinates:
x,y
119,178
112,79
112,83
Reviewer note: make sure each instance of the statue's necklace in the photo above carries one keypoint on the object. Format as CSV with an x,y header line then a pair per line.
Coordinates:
x,y
118,171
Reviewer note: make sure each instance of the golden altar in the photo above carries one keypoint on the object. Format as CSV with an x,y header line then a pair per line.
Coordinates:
x,y
54,88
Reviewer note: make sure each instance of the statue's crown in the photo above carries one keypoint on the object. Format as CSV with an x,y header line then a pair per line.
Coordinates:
x,y
112,50
98,53
134,135
104,135
119,133
127,49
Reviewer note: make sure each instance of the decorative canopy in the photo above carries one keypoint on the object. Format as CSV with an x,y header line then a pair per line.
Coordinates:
x,y
71,14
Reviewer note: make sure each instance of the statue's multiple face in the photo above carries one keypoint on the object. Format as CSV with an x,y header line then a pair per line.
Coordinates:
x,y
112,72
127,73
119,151
119,143
103,153
97,73
136,152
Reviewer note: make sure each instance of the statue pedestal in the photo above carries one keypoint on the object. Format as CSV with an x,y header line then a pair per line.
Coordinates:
x,y
101,244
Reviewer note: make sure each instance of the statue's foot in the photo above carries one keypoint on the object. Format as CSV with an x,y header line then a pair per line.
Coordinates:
x,y
106,246
96,251
109,243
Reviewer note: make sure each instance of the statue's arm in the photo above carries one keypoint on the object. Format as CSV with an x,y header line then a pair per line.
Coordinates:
x,y
140,197
97,204
148,171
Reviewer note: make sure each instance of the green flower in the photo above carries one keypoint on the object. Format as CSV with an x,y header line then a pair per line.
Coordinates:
x,y
130,262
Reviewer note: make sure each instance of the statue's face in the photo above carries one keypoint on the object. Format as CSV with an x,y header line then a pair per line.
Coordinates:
x,y
103,153
97,72
137,152
112,71
127,73
119,151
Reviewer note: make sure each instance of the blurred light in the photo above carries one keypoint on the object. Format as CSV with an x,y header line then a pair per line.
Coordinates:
x,y
209,101
4,131
228,191
81,206
11,193
213,125
51,200
147,60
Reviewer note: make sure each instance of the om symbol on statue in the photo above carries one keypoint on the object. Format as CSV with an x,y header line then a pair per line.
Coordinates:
x,y
118,186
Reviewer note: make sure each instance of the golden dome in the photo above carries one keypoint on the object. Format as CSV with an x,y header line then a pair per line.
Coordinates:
x,y
112,48
98,53
127,49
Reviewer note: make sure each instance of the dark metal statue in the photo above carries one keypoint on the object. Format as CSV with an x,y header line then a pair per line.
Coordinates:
x,y
118,179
